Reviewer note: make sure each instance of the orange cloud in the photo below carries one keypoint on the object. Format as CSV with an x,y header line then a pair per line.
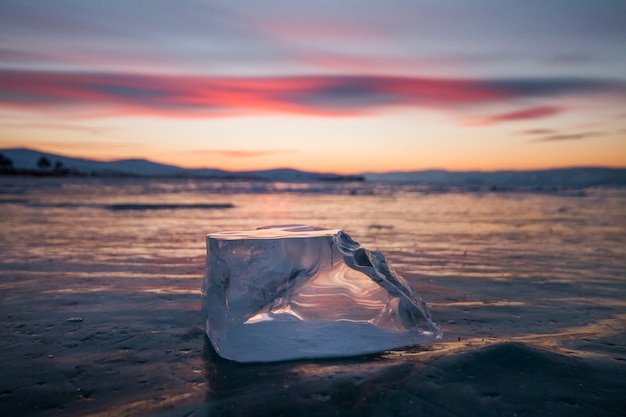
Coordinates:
x,y
236,153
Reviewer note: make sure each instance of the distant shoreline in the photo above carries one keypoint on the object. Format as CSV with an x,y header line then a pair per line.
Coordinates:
x,y
233,177
242,185
32,163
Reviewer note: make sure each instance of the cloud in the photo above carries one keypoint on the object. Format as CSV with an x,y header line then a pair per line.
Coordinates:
x,y
538,131
568,136
236,153
551,87
315,28
94,94
58,126
366,63
525,114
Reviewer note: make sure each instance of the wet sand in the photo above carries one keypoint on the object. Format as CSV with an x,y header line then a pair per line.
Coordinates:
x,y
101,317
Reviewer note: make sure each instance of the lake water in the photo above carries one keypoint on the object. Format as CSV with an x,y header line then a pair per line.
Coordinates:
x,y
101,278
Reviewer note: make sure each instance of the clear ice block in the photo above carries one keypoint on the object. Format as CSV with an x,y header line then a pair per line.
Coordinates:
x,y
293,292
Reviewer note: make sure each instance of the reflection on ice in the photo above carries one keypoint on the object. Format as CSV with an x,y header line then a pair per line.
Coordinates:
x,y
292,291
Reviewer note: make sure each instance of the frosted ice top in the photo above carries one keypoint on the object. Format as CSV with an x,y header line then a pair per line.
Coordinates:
x,y
293,291
276,232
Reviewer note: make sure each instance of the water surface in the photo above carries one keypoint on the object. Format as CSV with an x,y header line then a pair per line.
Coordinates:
x,y
101,278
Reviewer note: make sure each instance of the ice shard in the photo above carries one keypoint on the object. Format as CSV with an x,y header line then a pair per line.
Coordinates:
x,y
293,292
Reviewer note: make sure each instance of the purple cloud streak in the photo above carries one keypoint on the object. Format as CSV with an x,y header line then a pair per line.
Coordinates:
x,y
203,97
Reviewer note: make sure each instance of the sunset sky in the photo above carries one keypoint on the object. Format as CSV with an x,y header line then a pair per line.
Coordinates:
x,y
339,86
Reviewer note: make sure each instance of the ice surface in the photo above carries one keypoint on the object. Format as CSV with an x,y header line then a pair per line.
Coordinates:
x,y
293,291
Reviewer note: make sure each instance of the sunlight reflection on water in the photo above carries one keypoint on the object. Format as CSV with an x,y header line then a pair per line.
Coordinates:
x,y
481,235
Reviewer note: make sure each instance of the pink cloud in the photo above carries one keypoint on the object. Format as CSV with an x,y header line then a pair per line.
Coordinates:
x,y
318,29
192,96
94,94
537,131
531,113
368,64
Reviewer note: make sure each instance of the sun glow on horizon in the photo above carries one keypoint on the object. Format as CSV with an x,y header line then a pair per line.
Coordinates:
x,y
241,90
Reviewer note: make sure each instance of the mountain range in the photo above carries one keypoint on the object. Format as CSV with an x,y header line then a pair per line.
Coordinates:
x,y
29,161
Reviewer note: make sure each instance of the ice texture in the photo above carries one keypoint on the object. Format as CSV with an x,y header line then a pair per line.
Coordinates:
x,y
293,292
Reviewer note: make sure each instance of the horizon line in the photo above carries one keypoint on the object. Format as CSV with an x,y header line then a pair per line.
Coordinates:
x,y
432,169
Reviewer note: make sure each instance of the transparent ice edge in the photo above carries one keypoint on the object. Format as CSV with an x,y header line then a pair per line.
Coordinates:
x,y
300,292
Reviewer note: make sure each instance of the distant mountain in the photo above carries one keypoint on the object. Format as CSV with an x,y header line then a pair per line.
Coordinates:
x,y
293,175
27,161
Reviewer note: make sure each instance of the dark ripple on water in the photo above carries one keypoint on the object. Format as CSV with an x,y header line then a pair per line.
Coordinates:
x,y
124,206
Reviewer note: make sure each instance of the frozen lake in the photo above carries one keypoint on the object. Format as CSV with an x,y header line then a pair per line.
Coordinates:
x,y
101,281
